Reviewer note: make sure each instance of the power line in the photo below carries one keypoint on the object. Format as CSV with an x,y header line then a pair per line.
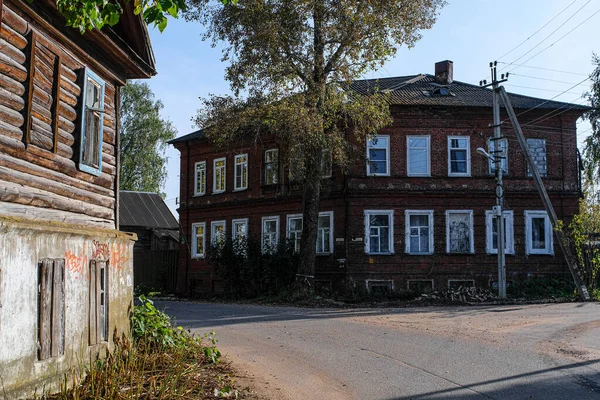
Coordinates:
x,y
549,100
541,79
536,32
546,38
544,69
562,37
545,90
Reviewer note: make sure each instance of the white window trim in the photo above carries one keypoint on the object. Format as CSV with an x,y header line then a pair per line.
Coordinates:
x,y
237,221
504,160
195,240
262,230
330,166
428,138
468,149
472,238
390,214
390,283
407,214
330,215
213,224
510,234
196,191
288,218
549,250
215,191
235,172
387,157
276,151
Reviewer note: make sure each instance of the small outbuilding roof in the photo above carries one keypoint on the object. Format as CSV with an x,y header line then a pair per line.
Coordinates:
x,y
145,209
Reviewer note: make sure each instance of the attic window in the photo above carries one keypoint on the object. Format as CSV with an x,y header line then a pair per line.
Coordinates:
x,y
441,91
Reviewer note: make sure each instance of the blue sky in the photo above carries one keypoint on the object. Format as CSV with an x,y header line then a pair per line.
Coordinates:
x,y
471,33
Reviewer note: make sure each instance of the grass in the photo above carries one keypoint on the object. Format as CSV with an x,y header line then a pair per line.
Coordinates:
x,y
157,363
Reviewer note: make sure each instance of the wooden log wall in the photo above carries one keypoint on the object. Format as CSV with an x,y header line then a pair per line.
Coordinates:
x,y
40,98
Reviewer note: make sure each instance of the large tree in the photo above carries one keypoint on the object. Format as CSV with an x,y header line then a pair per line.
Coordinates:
x,y
293,60
144,136
591,151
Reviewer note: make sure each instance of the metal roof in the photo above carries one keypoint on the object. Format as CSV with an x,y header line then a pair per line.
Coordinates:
x,y
145,209
418,90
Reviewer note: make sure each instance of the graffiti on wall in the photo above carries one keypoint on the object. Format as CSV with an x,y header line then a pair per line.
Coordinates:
x,y
77,262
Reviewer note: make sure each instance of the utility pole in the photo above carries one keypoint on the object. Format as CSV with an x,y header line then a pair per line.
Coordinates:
x,y
576,272
497,157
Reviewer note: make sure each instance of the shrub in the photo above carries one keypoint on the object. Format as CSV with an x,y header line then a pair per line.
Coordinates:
x,y
543,287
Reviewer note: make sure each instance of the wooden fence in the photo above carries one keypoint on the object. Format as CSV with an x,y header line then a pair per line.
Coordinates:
x,y
155,269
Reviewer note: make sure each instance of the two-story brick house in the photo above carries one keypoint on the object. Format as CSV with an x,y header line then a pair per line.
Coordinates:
x,y
414,209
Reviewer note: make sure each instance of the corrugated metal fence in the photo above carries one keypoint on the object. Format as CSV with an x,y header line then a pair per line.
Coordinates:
x,y
155,269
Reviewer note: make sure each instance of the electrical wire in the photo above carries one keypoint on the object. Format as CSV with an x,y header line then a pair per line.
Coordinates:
x,y
545,69
542,79
545,90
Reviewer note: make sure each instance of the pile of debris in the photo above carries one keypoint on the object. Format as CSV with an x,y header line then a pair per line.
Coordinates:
x,y
462,294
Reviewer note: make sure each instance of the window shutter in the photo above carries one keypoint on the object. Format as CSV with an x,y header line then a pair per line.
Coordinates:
x,y
93,309
45,309
58,308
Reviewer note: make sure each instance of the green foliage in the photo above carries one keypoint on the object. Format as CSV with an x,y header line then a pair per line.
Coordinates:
x,y
582,229
591,151
543,288
144,136
246,271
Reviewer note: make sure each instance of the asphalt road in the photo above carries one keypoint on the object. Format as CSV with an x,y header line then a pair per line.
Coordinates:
x,y
501,352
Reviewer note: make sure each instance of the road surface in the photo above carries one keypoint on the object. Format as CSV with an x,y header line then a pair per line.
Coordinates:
x,y
549,351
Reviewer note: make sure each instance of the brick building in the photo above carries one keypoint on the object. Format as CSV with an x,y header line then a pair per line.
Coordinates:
x,y
414,207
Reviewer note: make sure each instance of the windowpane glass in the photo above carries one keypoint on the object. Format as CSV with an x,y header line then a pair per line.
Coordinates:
x,y
418,161
538,233
377,154
419,233
459,232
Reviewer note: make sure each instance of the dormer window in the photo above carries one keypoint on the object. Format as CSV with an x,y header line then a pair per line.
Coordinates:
x,y
441,91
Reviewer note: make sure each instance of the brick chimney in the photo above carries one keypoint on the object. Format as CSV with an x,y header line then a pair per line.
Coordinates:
x,y
443,72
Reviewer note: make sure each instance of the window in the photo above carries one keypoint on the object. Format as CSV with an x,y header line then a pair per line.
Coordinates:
x,y
294,227
217,233
239,228
417,159
270,233
503,151
379,231
538,233
92,123
326,163
98,331
200,178
241,172
459,231
325,233
379,287
271,167
459,156
420,285
219,165
491,228
198,240
537,148
51,308
378,156
419,232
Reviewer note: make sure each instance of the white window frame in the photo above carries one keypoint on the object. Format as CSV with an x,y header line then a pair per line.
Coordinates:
x,y
510,233
387,155
197,191
330,215
244,165
408,148
89,75
549,249
235,222
471,233
213,225
388,282
288,232
195,240
407,214
503,161
262,230
468,159
276,162
224,159
390,214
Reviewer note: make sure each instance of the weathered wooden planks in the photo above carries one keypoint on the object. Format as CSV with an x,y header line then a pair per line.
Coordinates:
x,y
93,314
45,309
58,308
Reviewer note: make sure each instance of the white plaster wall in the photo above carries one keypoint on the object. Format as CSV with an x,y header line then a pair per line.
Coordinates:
x,y
22,246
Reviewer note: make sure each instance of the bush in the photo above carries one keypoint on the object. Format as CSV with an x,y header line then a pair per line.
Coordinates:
x,y
246,271
543,287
